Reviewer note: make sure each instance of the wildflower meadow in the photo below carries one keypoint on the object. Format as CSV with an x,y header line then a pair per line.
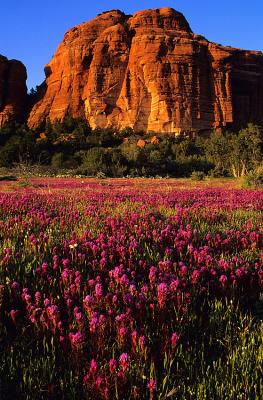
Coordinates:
x,y
130,289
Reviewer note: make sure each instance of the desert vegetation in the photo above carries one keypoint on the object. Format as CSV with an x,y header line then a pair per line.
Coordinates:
x,y
72,146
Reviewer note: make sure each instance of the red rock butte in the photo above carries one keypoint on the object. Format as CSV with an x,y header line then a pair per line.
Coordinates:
x,y
150,72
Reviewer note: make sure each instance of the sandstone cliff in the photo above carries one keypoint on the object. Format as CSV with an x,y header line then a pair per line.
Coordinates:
x,y
149,71
13,91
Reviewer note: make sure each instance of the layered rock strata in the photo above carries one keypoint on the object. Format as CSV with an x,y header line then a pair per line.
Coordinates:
x,y
150,72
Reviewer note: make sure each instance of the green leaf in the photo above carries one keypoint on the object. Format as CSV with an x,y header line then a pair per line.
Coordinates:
x,y
173,391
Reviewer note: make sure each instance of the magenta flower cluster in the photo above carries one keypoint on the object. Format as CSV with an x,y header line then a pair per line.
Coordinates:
x,y
108,272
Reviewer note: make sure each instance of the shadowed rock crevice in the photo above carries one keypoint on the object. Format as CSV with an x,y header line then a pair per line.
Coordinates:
x,y
87,60
247,89
48,71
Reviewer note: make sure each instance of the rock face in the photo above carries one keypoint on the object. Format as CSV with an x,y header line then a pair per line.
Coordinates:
x,y
13,90
150,72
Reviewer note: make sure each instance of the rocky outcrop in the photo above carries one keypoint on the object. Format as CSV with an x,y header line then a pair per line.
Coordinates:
x,y
13,90
150,72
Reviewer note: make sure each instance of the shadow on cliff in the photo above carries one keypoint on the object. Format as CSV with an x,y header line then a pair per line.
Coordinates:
x,y
210,105
247,87
36,95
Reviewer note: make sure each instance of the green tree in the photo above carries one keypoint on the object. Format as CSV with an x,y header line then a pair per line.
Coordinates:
x,y
57,160
131,152
94,161
217,151
116,162
246,150
19,148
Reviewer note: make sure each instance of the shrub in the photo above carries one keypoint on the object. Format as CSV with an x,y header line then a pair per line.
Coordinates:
x,y
101,175
25,183
57,160
197,175
117,163
253,179
218,172
94,161
8,178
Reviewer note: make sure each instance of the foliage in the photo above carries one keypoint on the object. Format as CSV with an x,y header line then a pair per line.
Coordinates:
x,y
8,178
118,153
236,153
57,160
197,176
253,178
18,146
94,161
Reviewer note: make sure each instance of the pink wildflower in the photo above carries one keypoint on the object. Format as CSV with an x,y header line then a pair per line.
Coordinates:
x,y
124,361
112,365
77,340
223,280
93,367
162,292
174,339
151,385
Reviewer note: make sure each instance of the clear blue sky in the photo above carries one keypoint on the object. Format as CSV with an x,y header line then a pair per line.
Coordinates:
x,y
30,30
